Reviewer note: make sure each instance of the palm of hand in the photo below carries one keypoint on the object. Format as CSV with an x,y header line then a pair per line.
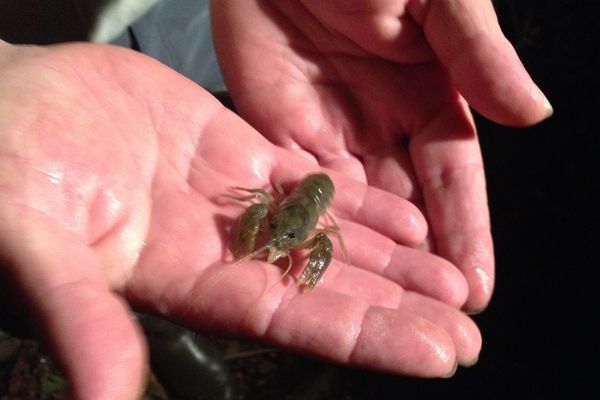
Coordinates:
x,y
120,164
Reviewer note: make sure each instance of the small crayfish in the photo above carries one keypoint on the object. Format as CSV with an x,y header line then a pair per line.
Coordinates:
x,y
290,223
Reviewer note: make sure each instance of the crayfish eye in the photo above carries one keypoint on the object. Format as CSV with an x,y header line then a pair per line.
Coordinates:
x,y
292,235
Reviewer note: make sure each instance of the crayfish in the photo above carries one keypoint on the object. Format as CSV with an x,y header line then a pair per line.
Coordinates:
x,y
290,223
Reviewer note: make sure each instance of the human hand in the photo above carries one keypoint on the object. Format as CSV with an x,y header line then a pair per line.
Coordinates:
x,y
379,90
112,169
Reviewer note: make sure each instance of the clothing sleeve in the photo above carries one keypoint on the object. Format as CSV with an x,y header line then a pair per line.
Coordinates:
x,y
175,32
178,34
113,17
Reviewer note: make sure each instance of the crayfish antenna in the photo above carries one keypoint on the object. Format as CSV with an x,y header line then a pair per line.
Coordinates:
x,y
214,280
250,256
332,227
255,194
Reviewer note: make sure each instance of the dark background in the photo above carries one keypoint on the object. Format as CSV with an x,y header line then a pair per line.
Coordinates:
x,y
540,331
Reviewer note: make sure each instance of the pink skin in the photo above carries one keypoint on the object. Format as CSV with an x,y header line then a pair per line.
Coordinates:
x,y
111,171
379,90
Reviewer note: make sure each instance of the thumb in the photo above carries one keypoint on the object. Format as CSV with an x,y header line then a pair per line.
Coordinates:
x,y
483,65
87,326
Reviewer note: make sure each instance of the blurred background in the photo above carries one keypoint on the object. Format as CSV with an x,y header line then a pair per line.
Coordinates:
x,y
541,338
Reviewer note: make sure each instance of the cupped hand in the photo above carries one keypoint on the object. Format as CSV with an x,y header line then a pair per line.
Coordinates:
x,y
379,90
112,170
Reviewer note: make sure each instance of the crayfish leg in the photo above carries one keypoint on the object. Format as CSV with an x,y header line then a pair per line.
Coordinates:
x,y
248,229
318,261
251,220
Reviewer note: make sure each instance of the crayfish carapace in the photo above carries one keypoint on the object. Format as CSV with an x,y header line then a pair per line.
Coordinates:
x,y
290,223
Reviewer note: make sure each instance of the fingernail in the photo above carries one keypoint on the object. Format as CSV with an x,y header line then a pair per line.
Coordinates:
x,y
541,98
453,371
472,362
474,311
548,107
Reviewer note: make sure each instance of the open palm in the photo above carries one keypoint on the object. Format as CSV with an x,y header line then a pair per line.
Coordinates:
x,y
112,170
374,89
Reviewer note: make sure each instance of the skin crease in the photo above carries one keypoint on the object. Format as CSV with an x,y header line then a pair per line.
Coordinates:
x,y
110,197
380,90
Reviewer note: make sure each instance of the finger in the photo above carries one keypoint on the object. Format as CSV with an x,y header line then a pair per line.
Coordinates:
x,y
344,329
339,277
462,330
382,211
377,209
412,269
385,28
483,65
88,328
450,170
350,318
324,323
353,199
359,283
